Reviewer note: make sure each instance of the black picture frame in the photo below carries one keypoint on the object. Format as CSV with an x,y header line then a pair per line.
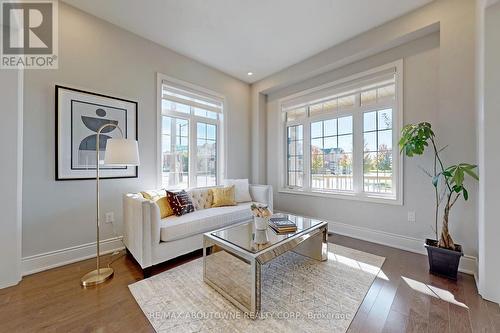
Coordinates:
x,y
57,90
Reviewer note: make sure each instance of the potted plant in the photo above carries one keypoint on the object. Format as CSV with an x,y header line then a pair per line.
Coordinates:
x,y
449,186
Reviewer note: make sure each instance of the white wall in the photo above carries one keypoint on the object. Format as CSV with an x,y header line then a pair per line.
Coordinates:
x,y
11,88
439,87
99,57
489,156
421,103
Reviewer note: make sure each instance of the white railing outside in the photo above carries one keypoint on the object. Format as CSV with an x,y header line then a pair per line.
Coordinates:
x,y
372,183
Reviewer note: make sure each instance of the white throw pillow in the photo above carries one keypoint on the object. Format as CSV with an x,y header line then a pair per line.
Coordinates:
x,y
242,189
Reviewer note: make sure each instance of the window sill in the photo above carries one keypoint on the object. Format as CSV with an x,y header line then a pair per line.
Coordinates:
x,y
346,196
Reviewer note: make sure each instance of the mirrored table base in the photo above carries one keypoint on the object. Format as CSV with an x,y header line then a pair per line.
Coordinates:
x,y
236,273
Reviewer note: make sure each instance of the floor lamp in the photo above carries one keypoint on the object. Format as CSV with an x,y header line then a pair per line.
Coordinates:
x,y
122,152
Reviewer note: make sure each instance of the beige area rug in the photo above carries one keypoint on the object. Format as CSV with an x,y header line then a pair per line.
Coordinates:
x,y
298,295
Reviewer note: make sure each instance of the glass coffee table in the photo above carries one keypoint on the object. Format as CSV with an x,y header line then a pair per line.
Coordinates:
x,y
233,256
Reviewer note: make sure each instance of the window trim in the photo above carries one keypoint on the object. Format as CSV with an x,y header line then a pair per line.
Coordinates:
x,y
221,128
342,85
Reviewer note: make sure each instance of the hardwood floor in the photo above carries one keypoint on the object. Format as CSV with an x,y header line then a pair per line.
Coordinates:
x,y
402,299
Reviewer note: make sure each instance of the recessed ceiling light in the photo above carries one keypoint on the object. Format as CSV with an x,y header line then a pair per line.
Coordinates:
x,y
249,73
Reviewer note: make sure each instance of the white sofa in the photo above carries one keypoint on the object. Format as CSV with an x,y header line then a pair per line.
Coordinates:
x,y
151,240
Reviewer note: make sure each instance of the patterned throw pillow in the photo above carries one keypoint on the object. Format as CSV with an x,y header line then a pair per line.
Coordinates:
x,y
180,202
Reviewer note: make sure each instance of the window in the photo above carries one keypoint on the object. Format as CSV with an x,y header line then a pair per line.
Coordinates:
x,y
295,156
206,146
331,154
175,152
191,122
377,160
341,138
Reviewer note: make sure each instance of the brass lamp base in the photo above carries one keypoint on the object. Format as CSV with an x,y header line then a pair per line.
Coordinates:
x,y
96,277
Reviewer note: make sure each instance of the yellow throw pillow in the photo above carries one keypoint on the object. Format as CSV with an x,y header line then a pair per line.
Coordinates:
x,y
162,202
165,209
223,196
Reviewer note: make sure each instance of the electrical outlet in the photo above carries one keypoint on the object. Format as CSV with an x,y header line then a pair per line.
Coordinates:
x,y
110,217
411,216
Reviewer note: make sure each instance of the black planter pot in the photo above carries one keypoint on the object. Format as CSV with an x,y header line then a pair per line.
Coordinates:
x,y
443,262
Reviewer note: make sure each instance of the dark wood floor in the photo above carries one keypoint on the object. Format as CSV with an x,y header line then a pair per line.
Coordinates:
x,y
53,301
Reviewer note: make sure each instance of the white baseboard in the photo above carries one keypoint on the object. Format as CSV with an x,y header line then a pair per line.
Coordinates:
x,y
44,261
10,283
40,262
468,264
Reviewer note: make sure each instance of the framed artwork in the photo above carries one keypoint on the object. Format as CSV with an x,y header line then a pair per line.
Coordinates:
x,y
79,115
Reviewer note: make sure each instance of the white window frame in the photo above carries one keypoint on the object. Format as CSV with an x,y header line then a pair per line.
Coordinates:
x,y
193,120
338,87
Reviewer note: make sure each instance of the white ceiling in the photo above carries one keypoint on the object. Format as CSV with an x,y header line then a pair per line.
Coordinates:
x,y
240,36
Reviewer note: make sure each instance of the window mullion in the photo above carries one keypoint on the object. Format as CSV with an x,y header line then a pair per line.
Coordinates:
x,y
358,151
306,147
173,152
219,171
193,153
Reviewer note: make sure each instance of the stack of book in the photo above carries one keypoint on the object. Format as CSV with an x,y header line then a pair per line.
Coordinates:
x,y
282,225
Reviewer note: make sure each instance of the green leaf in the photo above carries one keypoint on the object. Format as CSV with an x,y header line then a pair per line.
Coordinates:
x,y
447,174
471,173
415,138
466,194
459,176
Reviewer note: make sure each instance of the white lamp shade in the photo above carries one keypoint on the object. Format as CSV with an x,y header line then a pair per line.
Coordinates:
x,y
121,152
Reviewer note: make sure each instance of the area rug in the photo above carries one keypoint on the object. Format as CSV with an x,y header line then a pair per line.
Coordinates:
x,y
298,295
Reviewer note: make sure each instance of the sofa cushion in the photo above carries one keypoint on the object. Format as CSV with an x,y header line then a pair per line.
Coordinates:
x,y
153,194
180,202
165,209
160,198
224,196
242,189
201,221
201,198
